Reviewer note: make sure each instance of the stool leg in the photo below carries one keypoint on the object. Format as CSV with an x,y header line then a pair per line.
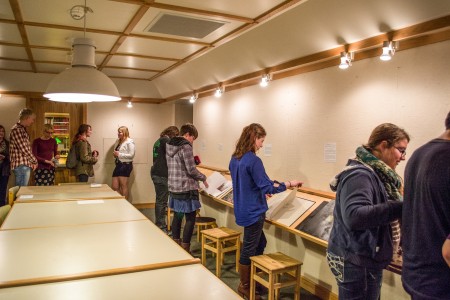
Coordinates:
x,y
219,258
298,285
203,250
199,229
252,281
238,253
271,287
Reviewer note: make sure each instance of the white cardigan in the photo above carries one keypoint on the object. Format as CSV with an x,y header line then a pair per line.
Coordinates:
x,y
126,150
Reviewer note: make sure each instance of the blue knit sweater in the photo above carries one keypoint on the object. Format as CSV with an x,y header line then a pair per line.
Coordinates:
x,y
250,186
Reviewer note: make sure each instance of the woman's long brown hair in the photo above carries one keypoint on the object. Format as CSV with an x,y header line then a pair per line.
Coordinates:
x,y
247,140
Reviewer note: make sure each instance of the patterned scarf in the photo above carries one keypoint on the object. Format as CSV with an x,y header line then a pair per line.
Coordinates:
x,y
391,181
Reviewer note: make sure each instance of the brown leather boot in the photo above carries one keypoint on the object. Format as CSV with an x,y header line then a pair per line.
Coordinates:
x,y
186,246
178,241
244,285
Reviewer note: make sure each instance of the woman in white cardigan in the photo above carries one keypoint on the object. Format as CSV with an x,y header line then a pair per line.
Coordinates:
x,y
124,150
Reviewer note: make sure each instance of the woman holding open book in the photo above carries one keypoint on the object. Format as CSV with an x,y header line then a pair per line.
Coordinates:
x,y
251,185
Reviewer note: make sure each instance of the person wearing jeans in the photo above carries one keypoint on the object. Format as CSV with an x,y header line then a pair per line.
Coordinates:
x,y
365,219
21,156
159,175
250,187
183,183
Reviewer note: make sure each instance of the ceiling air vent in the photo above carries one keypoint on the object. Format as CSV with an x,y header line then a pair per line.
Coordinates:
x,y
183,26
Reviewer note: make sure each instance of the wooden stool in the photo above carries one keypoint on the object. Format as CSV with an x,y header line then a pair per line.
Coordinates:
x,y
275,266
220,241
204,223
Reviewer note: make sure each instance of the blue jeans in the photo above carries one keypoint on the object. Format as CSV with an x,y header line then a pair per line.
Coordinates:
x,y
254,241
355,282
22,174
162,196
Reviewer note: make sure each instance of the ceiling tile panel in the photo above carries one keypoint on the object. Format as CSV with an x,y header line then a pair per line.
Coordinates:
x,y
13,52
58,12
51,37
10,33
5,10
247,8
128,73
51,68
150,47
139,63
15,65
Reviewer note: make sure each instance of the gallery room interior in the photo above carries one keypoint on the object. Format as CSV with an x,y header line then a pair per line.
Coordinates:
x,y
326,89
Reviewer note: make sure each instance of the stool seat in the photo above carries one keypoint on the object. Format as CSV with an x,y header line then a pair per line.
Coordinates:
x,y
220,241
276,267
204,223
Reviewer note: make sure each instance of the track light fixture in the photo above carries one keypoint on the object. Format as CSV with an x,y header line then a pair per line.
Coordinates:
x,y
265,80
219,91
129,104
389,48
193,98
346,60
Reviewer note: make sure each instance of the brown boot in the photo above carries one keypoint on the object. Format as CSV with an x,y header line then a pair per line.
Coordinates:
x,y
244,285
186,246
178,241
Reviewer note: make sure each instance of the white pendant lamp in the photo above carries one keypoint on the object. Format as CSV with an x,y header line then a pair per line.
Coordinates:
x,y
82,82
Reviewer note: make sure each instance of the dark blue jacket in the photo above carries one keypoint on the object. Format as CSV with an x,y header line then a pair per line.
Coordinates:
x,y
250,187
361,232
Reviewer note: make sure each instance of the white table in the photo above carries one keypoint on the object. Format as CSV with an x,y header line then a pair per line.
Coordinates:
x,y
38,255
69,188
189,282
93,195
48,214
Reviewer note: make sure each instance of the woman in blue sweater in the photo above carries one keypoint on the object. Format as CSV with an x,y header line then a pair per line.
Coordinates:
x,y
366,230
251,185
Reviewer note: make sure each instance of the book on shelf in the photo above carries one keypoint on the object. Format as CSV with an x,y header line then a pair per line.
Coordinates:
x,y
218,185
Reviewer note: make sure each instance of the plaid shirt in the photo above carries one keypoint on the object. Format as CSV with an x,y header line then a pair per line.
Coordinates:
x,y
183,175
20,149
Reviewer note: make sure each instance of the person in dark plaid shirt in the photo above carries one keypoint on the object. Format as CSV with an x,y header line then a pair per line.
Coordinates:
x,y
21,156
183,183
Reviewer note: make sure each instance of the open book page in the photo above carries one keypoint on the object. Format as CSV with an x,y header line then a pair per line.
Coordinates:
x,y
292,210
276,202
218,185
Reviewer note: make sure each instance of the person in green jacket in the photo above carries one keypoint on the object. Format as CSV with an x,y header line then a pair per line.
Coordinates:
x,y
85,156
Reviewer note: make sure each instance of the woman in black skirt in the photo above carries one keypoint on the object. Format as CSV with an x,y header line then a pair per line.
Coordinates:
x,y
124,151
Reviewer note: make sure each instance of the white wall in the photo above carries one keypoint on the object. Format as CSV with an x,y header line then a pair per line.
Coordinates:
x,y
145,122
304,112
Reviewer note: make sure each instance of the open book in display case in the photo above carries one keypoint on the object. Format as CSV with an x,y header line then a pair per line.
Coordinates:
x,y
286,210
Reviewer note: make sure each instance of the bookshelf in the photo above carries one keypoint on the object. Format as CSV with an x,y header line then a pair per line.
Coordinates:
x,y
61,125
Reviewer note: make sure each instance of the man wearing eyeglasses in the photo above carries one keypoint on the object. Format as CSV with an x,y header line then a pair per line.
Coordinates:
x,y
22,159
46,151
426,220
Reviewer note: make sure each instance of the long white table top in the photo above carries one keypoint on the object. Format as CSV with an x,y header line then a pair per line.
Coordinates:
x,y
69,188
56,197
39,255
48,214
189,282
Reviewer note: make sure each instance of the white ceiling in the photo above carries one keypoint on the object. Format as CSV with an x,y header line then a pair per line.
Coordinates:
x,y
36,35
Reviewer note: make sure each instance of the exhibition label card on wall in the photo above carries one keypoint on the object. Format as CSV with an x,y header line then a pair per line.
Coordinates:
x,y
329,152
267,150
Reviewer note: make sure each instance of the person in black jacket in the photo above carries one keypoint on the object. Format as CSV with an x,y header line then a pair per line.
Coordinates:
x,y
159,175
4,165
366,230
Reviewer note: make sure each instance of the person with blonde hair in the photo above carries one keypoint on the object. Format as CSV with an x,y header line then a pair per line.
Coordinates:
x,y
365,219
251,185
21,156
159,175
124,151
45,150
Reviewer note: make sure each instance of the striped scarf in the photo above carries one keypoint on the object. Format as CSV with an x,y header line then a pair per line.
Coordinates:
x,y
391,181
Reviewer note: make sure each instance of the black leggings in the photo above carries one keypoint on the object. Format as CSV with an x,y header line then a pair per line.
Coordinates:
x,y
188,227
